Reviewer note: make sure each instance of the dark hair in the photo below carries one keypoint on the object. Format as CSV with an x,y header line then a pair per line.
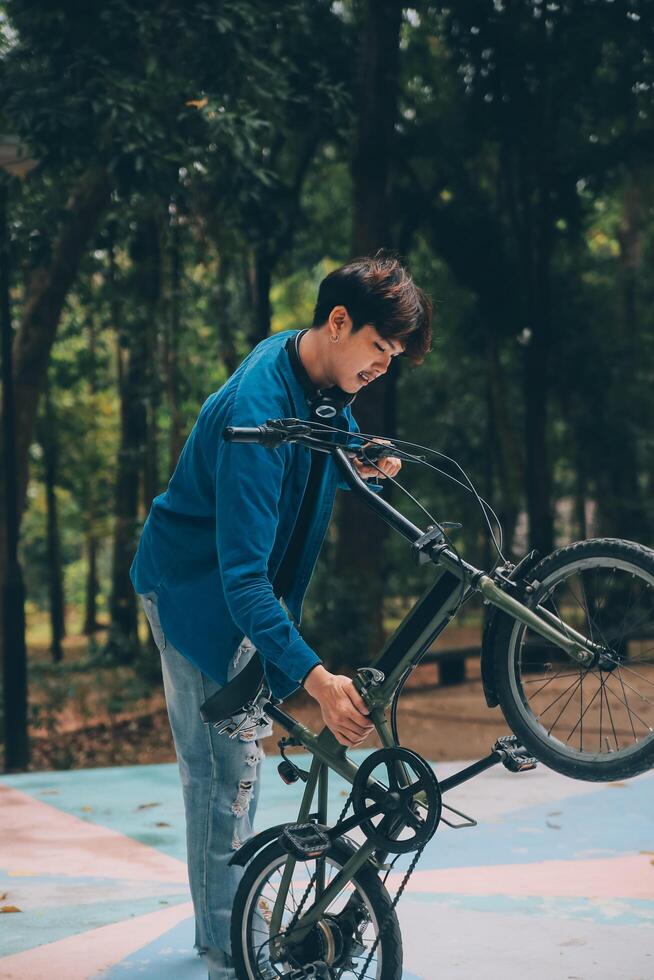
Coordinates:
x,y
378,290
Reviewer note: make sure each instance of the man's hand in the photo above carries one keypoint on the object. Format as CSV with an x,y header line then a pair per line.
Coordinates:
x,y
343,709
388,465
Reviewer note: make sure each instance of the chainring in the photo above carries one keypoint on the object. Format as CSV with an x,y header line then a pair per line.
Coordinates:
x,y
401,775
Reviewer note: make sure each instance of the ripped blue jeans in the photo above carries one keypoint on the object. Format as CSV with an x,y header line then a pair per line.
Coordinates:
x,y
220,783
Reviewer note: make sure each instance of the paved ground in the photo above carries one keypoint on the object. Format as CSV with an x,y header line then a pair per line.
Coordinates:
x,y
556,882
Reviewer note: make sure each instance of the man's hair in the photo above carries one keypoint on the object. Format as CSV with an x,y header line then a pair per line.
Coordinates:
x,y
378,290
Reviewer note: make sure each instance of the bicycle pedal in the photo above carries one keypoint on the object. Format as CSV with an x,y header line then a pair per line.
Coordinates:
x,y
513,755
305,841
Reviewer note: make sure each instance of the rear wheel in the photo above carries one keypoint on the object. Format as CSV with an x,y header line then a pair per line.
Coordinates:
x,y
342,938
595,722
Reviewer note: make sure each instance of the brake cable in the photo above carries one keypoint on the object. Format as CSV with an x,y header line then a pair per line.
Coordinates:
x,y
468,486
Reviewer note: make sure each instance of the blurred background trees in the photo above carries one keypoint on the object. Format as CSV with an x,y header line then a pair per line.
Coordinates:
x,y
202,166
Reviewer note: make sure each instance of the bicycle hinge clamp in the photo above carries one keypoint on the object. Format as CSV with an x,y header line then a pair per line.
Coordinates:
x,y
432,540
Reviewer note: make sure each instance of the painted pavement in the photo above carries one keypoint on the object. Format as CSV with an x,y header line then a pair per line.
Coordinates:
x,y
556,882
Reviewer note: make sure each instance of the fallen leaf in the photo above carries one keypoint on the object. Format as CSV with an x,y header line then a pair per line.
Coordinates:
x,y
146,806
197,103
616,785
161,823
3,896
9,908
87,809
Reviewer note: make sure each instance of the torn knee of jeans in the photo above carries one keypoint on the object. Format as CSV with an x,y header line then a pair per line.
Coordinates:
x,y
244,795
254,756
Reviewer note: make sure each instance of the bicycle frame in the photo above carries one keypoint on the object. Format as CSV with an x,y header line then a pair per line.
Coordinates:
x,y
455,581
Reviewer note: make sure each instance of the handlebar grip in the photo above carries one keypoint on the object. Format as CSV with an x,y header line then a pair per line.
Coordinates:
x,y
262,435
234,433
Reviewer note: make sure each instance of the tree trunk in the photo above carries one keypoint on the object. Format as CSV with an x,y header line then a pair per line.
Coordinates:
x,y
510,466
360,534
537,470
171,346
147,288
622,508
47,292
48,440
90,605
262,267
536,203
123,643
91,544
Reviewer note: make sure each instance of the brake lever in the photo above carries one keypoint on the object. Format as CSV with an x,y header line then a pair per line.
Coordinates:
x,y
374,453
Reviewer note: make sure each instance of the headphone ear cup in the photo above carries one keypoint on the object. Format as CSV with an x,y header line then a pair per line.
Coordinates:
x,y
329,402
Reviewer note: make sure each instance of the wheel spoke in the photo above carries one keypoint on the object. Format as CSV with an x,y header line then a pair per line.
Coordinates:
x,y
537,680
608,708
584,605
563,709
581,717
631,711
557,699
548,681
626,701
630,670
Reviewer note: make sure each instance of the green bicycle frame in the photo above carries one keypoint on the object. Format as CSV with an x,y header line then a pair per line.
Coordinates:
x,y
455,581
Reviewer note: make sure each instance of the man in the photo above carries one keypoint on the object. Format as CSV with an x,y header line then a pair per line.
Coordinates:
x,y
237,533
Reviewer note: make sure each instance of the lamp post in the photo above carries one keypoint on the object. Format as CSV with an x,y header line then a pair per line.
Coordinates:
x,y
15,160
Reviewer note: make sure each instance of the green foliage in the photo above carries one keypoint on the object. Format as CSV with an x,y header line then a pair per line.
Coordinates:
x,y
522,196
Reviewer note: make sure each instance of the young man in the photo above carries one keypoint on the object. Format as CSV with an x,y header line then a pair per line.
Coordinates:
x,y
237,533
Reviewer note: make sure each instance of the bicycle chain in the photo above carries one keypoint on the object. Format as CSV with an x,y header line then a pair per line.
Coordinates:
x,y
385,921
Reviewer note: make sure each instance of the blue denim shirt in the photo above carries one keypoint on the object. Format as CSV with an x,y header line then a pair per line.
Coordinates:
x,y
212,543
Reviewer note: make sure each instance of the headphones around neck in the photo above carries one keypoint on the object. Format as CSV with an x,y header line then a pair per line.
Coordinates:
x,y
325,403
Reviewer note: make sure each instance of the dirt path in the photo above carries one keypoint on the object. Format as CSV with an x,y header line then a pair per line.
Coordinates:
x,y
438,722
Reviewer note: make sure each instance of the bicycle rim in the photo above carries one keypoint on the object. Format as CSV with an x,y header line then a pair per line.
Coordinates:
x,y
600,713
254,935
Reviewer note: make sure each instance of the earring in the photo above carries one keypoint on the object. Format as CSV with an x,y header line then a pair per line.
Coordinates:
x,y
334,340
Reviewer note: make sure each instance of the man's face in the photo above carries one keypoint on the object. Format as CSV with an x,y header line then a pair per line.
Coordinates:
x,y
360,357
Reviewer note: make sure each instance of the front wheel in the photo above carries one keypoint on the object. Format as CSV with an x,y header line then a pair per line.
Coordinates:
x,y
595,722
342,938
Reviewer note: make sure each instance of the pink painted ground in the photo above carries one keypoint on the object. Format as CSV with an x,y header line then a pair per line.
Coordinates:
x,y
85,955
40,839
628,876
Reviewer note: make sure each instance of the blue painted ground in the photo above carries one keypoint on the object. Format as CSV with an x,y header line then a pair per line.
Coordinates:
x,y
523,820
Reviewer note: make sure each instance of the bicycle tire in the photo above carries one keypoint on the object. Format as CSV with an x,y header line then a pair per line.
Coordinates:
x,y
618,561
367,883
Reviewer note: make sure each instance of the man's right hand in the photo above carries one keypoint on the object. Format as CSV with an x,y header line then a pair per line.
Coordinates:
x,y
343,709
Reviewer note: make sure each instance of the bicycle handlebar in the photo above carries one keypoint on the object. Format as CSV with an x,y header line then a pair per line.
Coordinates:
x,y
277,431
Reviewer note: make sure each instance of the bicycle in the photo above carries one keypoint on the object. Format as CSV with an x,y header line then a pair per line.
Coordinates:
x,y
311,902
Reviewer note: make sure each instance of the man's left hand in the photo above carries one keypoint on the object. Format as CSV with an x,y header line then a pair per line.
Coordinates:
x,y
388,465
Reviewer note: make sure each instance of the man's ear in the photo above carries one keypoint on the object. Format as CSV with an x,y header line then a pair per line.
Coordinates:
x,y
339,321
